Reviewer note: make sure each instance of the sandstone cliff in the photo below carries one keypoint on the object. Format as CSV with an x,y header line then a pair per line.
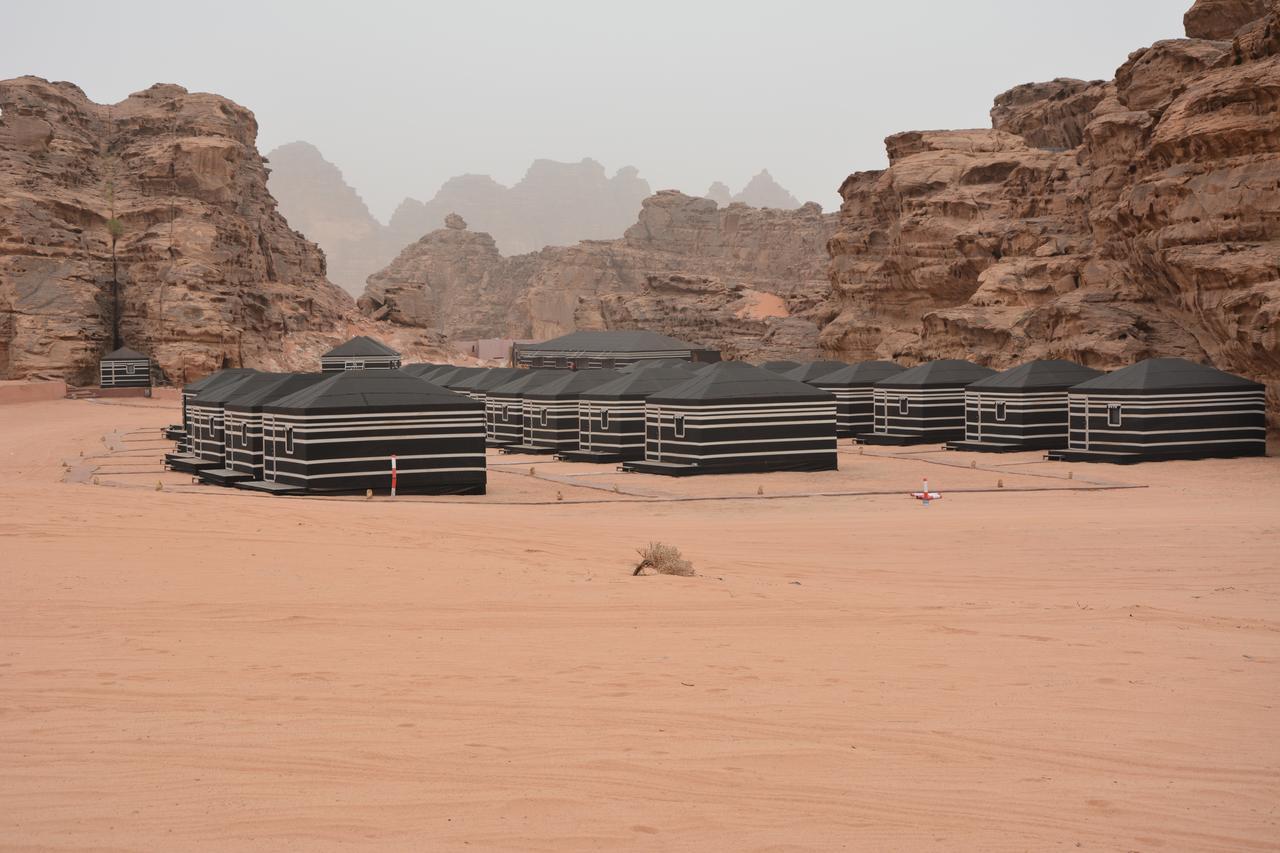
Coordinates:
x,y
149,221
1103,222
747,281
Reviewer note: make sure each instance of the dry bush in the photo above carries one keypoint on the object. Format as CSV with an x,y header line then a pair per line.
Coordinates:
x,y
659,558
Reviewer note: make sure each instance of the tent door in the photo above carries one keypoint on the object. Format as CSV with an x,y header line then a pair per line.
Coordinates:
x,y
879,413
268,448
584,425
1078,439
982,416
657,433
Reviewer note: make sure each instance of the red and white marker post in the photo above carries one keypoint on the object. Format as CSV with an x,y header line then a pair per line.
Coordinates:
x,y
393,475
925,496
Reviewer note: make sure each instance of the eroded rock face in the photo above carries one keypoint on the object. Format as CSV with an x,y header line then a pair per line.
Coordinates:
x,y
1156,233
202,272
1219,19
750,282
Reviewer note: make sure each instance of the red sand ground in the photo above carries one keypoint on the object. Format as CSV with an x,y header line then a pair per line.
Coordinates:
x,y
200,669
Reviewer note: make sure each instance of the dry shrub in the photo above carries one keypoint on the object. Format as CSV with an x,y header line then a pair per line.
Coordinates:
x,y
659,558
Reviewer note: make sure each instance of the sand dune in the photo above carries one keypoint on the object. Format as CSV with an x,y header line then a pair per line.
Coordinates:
x,y
1042,666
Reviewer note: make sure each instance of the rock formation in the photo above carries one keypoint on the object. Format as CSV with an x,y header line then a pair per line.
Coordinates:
x,y
555,204
316,200
149,221
1103,222
763,191
747,281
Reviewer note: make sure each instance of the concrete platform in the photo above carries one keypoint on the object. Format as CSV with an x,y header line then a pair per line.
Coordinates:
x,y
187,462
224,476
598,456
528,449
985,447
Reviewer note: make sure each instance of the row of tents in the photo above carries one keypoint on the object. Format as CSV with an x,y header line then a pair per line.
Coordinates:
x,y
346,430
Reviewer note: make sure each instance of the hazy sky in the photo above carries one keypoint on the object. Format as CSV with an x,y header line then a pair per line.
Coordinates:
x,y
403,95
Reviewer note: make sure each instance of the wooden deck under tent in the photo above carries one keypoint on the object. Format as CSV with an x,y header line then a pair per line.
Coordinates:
x,y
922,405
1023,408
1165,408
735,417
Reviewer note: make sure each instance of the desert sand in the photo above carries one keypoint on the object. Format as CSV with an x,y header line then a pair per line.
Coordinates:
x,y
1055,664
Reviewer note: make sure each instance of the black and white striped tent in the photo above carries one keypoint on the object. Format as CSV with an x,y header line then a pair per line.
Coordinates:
x,y
611,416
551,411
504,406
811,370
607,349
1022,408
924,404
242,423
360,353
459,376
189,393
208,429
425,370
477,385
1165,408
735,417
124,368
341,434
852,386
781,365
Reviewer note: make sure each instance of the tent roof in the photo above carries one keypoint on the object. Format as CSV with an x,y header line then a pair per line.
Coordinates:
x,y
616,341
1041,375
457,376
427,370
370,391
943,373
780,366
1168,375
813,369
224,375
574,384
224,392
638,384
490,377
858,375
529,379
737,381
125,354
253,398
358,346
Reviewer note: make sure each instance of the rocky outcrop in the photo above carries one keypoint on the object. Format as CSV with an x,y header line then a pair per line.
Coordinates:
x,y
1048,115
1219,19
149,222
1103,222
316,200
750,282
555,204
